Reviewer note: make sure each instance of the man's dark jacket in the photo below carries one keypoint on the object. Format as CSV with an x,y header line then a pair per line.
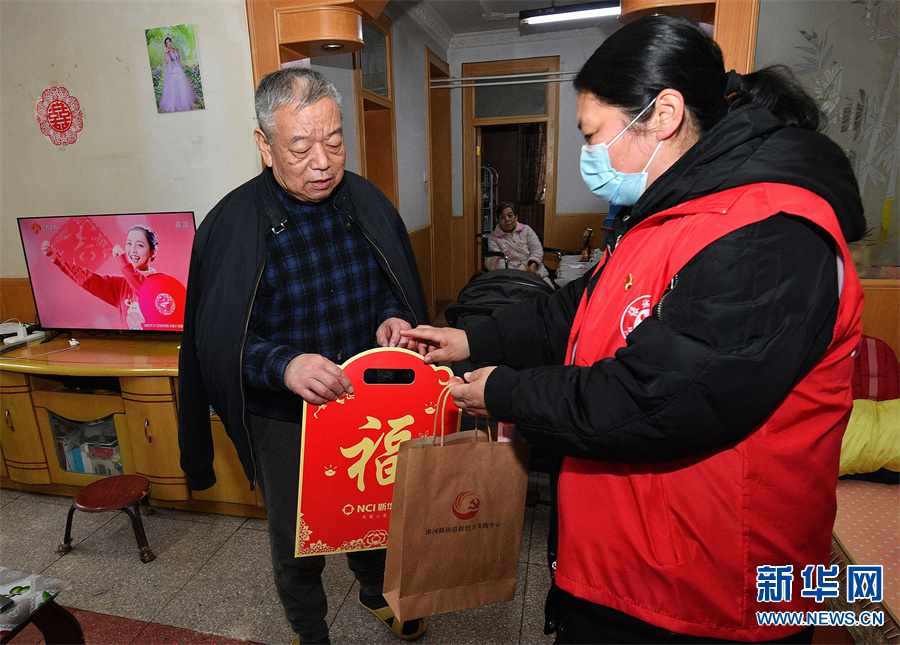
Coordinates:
x,y
226,264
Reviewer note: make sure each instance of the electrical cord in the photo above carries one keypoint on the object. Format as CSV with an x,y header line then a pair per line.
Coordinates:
x,y
55,351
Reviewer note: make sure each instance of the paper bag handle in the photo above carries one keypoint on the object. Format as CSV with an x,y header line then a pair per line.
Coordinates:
x,y
440,418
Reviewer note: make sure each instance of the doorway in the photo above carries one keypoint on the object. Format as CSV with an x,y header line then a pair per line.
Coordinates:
x,y
513,161
517,116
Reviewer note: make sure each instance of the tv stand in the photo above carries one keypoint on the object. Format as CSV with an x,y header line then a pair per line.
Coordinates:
x,y
112,400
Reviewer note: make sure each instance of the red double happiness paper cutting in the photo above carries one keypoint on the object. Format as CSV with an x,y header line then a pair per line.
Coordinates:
x,y
59,115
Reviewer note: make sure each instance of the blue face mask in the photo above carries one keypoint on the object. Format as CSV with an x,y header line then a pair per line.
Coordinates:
x,y
607,182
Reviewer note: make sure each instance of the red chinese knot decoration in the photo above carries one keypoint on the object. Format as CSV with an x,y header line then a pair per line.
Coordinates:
x,y
59,115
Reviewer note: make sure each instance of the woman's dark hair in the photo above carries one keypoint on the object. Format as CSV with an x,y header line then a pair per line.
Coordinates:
x,y
149,233
502,206
643,58
168,39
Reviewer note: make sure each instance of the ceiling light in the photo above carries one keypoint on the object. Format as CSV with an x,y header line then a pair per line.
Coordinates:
x,y
570,12
332,47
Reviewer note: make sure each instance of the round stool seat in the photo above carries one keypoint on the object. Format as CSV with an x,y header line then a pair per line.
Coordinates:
x,y
111,493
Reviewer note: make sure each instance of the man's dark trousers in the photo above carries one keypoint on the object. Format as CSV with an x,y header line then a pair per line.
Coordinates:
x,y
276,446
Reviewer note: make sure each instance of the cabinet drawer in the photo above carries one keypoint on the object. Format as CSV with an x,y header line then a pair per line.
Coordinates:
x,y
78,407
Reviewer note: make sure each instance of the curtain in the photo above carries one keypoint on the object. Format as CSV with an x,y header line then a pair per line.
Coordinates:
x,y
533,164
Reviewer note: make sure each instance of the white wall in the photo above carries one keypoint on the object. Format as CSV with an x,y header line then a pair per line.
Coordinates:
x,y
572,196
128,157
411,112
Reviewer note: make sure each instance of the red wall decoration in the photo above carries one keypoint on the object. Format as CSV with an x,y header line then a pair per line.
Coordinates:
x,y
59,115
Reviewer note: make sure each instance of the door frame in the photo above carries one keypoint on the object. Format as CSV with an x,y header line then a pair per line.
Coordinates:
x,y
471,127
445,253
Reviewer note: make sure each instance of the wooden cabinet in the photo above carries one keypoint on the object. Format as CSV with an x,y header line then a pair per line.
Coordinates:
x,y
733,21
152,422
286,30
23,453
123,393
76,408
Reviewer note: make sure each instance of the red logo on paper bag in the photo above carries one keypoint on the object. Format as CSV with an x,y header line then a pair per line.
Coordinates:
x,y
466,505
59,115
634,315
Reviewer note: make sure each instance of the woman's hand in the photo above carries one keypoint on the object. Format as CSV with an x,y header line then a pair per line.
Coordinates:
x,y
469,396
439,344
118,250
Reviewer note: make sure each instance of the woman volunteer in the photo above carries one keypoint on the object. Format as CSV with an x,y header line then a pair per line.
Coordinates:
x,y
697,383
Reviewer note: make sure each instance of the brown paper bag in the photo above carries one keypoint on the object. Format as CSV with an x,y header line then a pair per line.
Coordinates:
x,y
456,523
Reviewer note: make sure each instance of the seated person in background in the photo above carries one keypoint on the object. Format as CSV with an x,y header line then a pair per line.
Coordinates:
x,y
517,241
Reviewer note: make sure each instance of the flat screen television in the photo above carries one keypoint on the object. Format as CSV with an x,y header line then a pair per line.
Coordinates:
x,y
124,272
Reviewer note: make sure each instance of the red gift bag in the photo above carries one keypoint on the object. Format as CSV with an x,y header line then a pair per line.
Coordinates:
x,y
349,449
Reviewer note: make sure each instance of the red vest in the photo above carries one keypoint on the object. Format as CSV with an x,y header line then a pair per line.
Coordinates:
x,y
677,544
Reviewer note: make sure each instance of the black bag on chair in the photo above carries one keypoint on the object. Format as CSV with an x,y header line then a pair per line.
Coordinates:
x,y
488,292
484,294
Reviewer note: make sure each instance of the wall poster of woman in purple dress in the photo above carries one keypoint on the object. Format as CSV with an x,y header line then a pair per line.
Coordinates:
x,y
175,67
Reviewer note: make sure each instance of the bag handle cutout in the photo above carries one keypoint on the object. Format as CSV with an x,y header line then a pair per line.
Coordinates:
x,y
389,376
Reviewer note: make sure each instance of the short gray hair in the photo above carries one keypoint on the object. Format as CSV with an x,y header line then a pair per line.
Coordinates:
x,y
296,86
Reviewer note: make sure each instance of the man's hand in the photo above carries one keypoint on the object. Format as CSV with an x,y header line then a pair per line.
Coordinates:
x,y
388,334
439,344
469,396
316,379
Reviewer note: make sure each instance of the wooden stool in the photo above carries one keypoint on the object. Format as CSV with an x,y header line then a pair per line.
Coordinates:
x,y
115,493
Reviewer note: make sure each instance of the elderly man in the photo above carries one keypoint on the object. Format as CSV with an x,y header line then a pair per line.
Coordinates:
x,y
292,274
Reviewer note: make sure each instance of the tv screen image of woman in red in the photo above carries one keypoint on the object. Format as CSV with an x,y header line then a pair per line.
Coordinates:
x,y
139,283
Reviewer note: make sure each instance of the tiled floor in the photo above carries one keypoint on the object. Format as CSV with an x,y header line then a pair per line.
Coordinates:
x,y
211,581
212,575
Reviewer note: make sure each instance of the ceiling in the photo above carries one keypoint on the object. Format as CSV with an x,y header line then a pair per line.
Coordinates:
x,y
477,16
